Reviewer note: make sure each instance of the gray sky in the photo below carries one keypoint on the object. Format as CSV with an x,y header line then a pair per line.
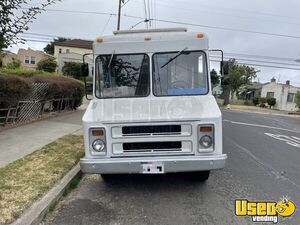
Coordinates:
x,y
268,16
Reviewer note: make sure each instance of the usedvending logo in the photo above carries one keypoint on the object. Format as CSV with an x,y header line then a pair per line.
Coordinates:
x,y
265,211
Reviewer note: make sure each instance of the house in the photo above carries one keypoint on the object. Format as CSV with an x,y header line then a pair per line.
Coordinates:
x,y
285,94
73,51
7,57
29,58
250,91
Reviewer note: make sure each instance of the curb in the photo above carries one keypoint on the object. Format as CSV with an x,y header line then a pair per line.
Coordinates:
x,y
266,113
36,213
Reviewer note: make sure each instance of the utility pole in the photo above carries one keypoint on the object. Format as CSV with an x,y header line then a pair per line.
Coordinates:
x,y
119,14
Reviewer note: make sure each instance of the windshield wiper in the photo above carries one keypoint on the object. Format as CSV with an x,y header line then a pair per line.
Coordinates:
x,y
174,57
111,57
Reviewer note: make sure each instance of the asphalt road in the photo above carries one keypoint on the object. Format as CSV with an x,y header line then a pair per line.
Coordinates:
x,y
263,164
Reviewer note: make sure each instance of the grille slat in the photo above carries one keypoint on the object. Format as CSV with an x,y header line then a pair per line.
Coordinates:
x,y
152,146
151,130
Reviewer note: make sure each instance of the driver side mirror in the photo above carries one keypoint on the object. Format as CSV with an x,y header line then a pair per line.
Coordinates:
x,y
224,70
85,69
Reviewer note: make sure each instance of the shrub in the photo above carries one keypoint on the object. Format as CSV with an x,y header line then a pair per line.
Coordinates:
x,y
18,87
14,87
14,64
263,100
47,64
256,100
26,72
298,99
63,87
271,101
72,69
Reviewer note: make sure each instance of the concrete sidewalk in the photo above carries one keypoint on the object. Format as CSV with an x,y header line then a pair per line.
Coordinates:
x,y
17,142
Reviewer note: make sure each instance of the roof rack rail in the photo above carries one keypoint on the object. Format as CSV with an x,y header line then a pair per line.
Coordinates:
x,y
175,29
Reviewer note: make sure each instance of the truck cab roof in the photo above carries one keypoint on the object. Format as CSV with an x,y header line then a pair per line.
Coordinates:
x,y
150,40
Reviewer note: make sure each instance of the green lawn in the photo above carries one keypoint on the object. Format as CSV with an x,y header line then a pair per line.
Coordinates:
x,y
26,180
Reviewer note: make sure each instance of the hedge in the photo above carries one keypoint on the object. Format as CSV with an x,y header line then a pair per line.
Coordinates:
x,y
18,87
14,87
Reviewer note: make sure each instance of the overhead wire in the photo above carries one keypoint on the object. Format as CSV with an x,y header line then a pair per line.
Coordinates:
x,y
260,65
185,23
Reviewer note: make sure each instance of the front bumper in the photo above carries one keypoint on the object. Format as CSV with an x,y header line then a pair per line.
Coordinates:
x,y
171,164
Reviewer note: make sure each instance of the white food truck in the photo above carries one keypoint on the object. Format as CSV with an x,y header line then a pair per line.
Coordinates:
x,y
152,110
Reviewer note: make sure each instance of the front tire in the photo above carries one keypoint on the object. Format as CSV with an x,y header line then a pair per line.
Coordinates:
x,y
199,176
108,178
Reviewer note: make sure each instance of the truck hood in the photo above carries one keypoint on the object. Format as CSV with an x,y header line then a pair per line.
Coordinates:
x,y
154,109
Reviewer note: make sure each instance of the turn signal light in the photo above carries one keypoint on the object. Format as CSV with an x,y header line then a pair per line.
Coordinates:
x,y
205,129
99,40
147,38
97,132
200,35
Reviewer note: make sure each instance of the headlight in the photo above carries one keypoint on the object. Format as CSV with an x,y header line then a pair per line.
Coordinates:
x,y
98,145
206,141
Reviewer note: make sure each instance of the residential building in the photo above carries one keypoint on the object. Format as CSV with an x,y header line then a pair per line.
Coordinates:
x,y
73,51
7,57
285,94
250,91
29,58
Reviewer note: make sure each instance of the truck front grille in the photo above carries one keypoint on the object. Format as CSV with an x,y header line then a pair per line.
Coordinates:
x,y
151,130
152,146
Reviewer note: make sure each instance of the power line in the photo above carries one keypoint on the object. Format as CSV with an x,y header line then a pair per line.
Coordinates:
x,y
246,11
229,29
269,66
186,23
253,60
226,14
261,56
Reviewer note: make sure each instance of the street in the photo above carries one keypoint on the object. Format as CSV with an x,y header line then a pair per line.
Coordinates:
x,y
263,165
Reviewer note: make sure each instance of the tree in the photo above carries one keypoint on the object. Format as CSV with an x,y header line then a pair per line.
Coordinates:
x,y
72,69
47,64
12,24
215,79
239,75
50,47
271,102
298,99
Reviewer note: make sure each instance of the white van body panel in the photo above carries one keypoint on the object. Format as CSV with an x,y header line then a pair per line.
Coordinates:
x,y
189,112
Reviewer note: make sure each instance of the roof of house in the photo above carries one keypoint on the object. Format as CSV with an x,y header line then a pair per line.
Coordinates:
x,y
76,43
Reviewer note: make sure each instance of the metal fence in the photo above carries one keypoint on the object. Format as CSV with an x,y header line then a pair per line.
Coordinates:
x,y
33,107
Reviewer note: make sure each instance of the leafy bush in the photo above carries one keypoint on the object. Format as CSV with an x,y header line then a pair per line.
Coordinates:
x,y
47,64
271,101
298,99
19,86
26,72
14,87
256,100
72,69
263,100
14,64
63,87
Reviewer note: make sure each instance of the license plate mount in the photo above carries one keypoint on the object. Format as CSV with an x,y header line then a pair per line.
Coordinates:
x,y
152,168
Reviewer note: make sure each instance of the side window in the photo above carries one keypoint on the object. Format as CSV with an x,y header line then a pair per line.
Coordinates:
x,y
68,51
26,59
270,94
291,97
32,60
